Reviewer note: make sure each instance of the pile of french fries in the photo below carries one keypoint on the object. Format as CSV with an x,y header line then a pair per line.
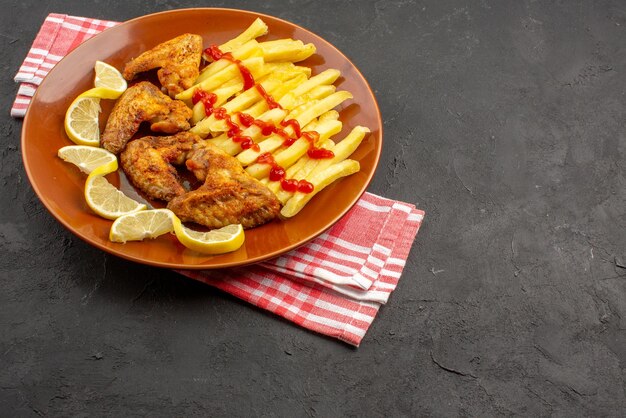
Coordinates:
x,y
310,100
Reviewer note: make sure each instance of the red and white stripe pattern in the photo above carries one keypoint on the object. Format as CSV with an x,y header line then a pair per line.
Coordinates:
x,y
343,312
58,35
333,285
337,261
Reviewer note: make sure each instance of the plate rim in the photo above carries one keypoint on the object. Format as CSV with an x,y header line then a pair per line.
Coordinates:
x,y
201,266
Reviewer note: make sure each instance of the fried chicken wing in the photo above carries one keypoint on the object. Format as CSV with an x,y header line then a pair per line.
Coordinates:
x,y
229,195
143,102
178,60
148,163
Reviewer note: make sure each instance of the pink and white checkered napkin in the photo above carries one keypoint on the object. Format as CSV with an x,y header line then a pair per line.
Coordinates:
x,y
333,285
58,35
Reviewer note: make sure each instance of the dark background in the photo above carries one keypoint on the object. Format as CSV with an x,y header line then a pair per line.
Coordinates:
x,y
504,121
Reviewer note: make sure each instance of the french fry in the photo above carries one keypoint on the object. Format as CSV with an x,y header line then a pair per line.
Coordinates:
x,y
285,70
343,149
276,87
273,142
223,94
323,105
256,29
309,164
330,115
248,156
254,132
320,181
298,171
248,50
254,65
238,104
286,50
326,77
304,53
277,42
289,85
288,156
310,100
316,93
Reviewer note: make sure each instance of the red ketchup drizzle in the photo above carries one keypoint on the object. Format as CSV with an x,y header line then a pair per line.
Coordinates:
x,y
277,173
266,128
246,142
245,119
214,52
234,130
305,187
314,152
271,103
287,139
289,185
320,153
294,125
208,99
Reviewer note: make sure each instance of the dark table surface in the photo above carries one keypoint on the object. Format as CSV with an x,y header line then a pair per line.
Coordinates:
x,y
504,121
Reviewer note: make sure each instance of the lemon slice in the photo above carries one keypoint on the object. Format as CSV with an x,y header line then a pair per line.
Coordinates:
x,y
101,93
108,84
105,200
81,121
109,77
217,241
88,158
143,224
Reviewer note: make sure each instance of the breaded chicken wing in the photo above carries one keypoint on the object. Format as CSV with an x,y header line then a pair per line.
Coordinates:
x,y
148,163
229,195
143,102
178,60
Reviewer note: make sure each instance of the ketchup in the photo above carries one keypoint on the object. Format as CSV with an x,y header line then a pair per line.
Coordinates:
x,y
289,185
245,119
319,153
214,52
294,125
293,185
271,103
305,186
208,99
277,173
314,152
246,142
266,128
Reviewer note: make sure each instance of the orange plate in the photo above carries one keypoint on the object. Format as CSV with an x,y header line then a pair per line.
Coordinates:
x,y
59,185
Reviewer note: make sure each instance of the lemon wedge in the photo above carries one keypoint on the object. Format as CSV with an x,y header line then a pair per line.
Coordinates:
x,y
105,200
81,121
143,224
217,241
100,93
81,118
88,158
109,77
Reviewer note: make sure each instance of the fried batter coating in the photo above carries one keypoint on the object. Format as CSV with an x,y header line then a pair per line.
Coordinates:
x,y
143,102
148,163
229,195
178,60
